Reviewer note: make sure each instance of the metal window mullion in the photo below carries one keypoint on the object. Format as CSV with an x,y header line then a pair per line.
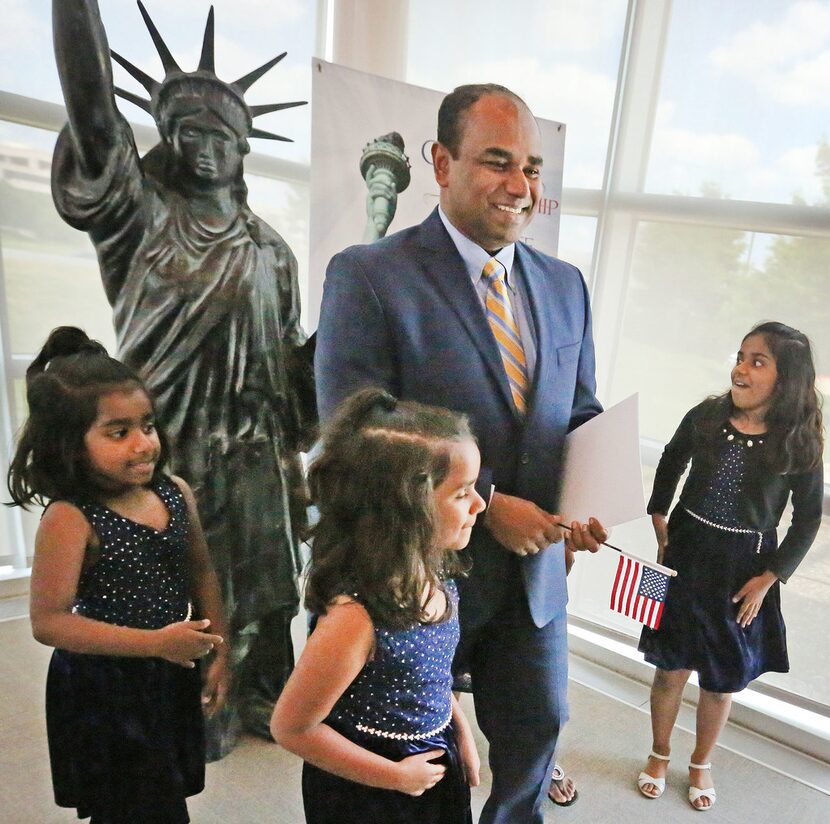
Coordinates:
x,y
638,86
371,36
8,426
323,42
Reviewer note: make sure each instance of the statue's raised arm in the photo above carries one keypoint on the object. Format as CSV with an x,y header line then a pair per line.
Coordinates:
x,y
96,172
85,71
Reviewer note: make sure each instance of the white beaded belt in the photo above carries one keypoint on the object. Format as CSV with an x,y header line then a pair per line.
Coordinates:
x,y
737,529
187,616
404,736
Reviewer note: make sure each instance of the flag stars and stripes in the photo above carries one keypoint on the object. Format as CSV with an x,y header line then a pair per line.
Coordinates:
x,y
639,592
653,585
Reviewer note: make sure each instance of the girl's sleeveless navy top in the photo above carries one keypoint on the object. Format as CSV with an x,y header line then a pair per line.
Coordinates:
x,y
404,692
139,576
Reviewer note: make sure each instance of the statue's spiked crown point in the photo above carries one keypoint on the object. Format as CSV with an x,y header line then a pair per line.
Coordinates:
x,y
205,74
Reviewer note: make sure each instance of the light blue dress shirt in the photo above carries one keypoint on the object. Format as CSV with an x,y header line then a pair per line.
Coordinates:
x,y
475,258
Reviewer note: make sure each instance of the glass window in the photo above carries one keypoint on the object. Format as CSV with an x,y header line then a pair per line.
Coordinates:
x,y
50,269
805,604
576,241
6,530
561,57
693,293
744,102
680,325
15,521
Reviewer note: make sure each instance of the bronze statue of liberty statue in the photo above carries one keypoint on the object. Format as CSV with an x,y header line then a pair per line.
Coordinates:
x,y
206,306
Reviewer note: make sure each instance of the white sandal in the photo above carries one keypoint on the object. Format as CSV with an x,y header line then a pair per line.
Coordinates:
x,y
696,793
644,778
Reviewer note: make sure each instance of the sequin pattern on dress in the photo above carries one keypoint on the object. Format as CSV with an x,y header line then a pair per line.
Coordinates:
x,y
721,505
405,691
139,578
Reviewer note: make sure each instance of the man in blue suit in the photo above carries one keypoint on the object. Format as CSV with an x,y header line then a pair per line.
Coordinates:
x,y
412,313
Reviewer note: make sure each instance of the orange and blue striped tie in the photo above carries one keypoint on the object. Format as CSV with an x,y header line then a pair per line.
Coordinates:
x,y
500,317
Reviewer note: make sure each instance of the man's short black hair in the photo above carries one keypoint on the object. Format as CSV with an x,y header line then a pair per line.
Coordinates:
x,y
457,102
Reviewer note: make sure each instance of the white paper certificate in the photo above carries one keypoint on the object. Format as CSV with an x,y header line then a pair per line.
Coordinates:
x,y
603,477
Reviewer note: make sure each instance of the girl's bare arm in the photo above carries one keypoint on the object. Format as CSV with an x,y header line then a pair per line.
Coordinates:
x,y
467,751
335,653
204,586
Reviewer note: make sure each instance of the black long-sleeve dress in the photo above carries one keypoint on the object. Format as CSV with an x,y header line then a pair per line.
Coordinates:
x,y
722,533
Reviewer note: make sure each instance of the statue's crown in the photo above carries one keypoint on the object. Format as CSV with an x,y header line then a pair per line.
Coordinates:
x,y
204,75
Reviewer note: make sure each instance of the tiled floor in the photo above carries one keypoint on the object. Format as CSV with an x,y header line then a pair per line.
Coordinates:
x,y
603,748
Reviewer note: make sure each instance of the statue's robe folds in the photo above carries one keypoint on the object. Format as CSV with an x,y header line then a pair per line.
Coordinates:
x,y
210,319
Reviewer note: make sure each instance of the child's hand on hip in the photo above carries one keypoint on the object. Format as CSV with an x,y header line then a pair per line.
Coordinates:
x,y
751,595
419,773
183,641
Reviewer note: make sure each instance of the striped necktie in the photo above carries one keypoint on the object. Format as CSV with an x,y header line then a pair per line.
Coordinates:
x,y
503,324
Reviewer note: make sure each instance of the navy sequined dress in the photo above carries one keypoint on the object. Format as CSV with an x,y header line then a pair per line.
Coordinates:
x,y
715,554
126,736
399,704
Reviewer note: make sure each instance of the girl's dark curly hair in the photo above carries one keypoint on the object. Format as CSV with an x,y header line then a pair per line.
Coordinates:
x,y
63,386
794,421
373,484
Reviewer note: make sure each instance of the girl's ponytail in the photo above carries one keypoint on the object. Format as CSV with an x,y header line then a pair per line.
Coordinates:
x,y
367,407
62,342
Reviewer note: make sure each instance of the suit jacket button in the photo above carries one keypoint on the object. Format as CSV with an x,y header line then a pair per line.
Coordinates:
x,y
525,458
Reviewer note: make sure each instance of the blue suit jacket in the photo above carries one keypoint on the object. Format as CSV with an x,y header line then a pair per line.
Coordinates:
x,y
402,313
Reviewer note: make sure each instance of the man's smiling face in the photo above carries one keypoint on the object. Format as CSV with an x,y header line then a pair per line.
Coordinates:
x,y
490,191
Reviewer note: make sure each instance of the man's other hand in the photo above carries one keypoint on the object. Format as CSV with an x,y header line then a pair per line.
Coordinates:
x,y
520,526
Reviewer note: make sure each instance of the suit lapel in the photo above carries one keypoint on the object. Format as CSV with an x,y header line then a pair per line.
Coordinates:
x,y
445,270
540,310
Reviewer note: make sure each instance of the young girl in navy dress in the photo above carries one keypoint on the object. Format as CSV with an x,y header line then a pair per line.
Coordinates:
x,y
369,706
121,586
750,449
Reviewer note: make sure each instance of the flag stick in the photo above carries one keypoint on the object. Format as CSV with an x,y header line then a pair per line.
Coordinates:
x,y
653,564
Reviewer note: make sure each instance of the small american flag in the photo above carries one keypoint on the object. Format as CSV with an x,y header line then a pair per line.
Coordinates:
x,y
639,592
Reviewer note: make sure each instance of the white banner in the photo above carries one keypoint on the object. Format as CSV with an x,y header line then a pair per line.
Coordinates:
x,y
352,148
